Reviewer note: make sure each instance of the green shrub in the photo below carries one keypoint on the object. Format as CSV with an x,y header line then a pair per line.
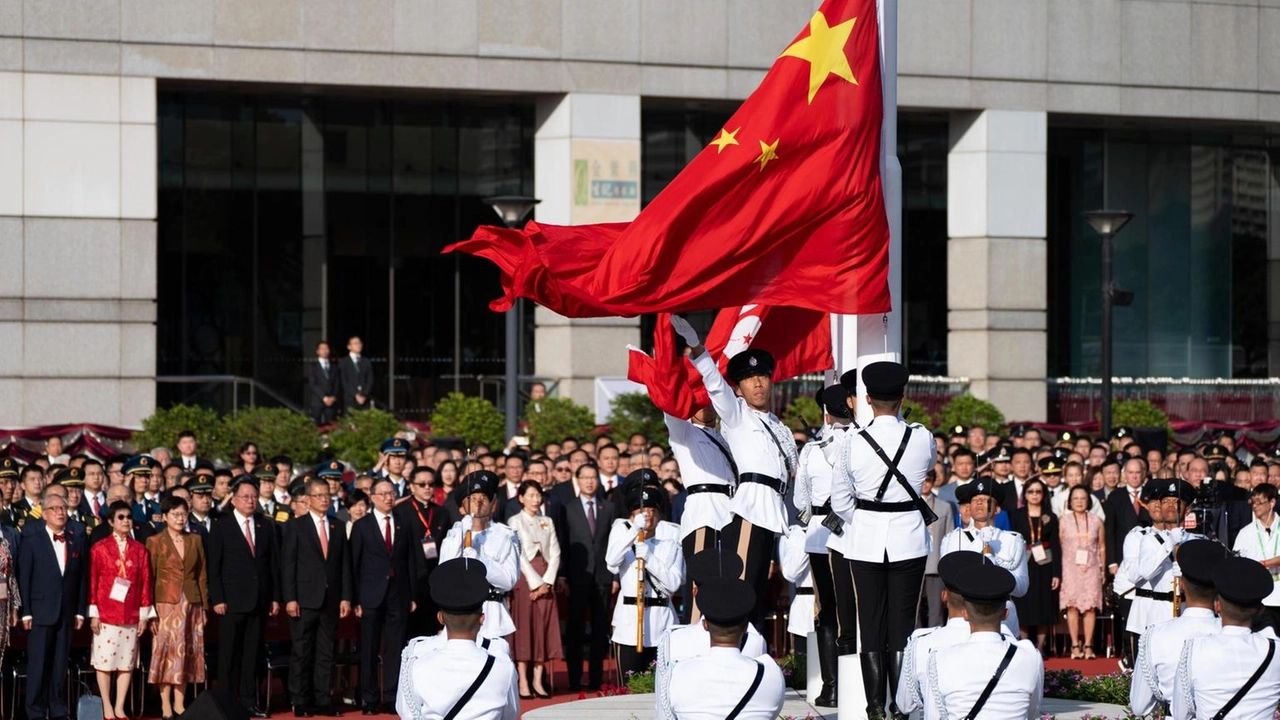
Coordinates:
x,y
640,682
1072,685
357,436
276,431
633,413
162,428
1138,413
557,418
473,419
970,411
918,414
795,671
802,414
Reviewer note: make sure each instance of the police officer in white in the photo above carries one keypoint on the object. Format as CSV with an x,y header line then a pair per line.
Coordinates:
x,y
1005,548
812,501
875,492
477,537
988,676
764,452
1156,570
459,680
1233,674
725,683
1160,648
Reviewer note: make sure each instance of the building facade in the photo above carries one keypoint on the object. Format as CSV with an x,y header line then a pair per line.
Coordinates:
x,y
209,187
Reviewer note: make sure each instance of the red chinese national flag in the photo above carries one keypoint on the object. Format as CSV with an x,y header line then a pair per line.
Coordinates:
x,y
798,338
783,208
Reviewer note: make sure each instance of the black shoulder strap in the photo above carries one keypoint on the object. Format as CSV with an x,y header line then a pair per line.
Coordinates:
x,y
755,685
724,450
991,685
466,696
1253,680
892,465
786,461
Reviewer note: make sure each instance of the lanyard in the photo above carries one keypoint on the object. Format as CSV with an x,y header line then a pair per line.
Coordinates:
x,y
1275,542
426,522
1036,526
1075,518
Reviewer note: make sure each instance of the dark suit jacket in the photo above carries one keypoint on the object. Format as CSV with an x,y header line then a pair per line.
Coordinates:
x,y
582,556
375,572
306,575
355,379
49,596
1120,520
245,581
321,385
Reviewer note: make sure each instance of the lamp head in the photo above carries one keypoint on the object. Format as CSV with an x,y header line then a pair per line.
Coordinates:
x,y
511,208
1107,222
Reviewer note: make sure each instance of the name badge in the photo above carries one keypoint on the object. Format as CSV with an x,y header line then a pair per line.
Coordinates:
x,y
120,589
1038,554
429,549
1082,557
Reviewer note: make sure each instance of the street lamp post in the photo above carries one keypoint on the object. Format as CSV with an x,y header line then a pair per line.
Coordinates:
x,y
512,209
1107,223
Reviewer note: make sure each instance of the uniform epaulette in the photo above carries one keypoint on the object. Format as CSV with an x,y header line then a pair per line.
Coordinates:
x,y
915,426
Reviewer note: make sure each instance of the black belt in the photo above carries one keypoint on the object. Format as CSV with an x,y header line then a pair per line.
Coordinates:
x,y
820,510
496,595
1161,596
804,591
707,488
885,507
649,600
772,483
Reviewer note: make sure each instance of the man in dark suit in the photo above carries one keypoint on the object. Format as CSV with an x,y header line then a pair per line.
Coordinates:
x,y
384,564
52,565
323,386
356,376
243,590
587,519
427,524
316,580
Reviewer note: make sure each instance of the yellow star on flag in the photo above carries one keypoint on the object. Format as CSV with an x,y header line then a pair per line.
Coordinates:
x,y
824,49
767,152
725,138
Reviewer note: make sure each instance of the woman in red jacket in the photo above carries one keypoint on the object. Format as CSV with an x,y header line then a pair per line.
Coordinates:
x,y
119,606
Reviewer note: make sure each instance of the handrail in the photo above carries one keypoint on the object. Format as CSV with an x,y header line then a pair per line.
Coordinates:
x,y
235,380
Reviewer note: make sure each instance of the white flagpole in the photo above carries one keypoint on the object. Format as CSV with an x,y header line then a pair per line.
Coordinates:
x,y
863,339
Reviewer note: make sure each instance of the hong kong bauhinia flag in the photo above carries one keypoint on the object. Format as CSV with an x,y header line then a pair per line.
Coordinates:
x,y
799,338
784,207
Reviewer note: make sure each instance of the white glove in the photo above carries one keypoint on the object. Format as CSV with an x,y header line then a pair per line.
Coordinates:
x,y
685,330
470,553
642,551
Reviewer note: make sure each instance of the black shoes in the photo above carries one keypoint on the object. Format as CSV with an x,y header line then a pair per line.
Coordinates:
x,y
370,709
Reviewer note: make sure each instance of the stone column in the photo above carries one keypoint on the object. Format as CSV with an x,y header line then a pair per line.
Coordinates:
x,y
997,258
586,170
78,242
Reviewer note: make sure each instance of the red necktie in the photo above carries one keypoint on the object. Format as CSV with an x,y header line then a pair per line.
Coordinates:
x,y
1137,507
386,535
324,538
248,536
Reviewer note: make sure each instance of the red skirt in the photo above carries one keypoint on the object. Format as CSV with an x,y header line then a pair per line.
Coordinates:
x,y
537,636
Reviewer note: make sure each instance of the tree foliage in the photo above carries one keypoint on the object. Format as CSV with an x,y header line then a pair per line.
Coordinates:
x,y
162,427
552,419
473,419
802,414
1138,413
970,411
276,431
357,436
633,413
918,413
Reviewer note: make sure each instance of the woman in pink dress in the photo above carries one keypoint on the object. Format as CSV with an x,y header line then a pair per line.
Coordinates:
x,y
1084,555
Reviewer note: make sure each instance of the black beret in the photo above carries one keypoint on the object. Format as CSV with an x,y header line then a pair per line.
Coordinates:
x,y
749,362
1001,453
885,380
984,582
1050,465
645,496
1181,489
204,465
1149,492
849,381
1242,581
713,563
644,476
964,493
1067,436
1121,432
726,601
955,565
459,586
833,402
984,485
1198,559
1060,453
481,481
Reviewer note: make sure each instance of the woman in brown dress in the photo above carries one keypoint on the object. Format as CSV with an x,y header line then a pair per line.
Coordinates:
x,y
533,605
181,595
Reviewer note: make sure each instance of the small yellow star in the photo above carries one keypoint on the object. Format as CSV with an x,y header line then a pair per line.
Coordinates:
x,y
725,138
767,152
824,49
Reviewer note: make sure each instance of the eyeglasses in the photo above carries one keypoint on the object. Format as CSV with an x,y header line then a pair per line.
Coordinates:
x,y
422,484
318,495
1035,492
1259,501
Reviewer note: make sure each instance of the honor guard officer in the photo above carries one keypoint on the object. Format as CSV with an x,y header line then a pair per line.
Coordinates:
x,y
764,452
396,452
643,537
812,501
476,536
725,682
1156,573
458,680
875,492
1234,673
1004,548
988,675
1161,645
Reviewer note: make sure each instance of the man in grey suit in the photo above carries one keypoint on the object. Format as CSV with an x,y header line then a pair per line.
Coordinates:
x,y
933,613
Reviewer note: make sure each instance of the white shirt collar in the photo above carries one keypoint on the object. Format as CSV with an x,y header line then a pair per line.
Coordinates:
x,y
380,516
354,357
240,518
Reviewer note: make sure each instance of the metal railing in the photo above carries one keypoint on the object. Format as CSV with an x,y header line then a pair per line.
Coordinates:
x,y
1079,400
931,391
211,391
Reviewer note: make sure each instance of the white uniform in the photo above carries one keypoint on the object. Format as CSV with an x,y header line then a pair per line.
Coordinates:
x,y
859,474
1123,584
915,660
436,679
1154,571
708,687
1259,542
1008,550
813,486
958,674
682,642
664,568
703,459
499,549
1158,655
795,568
1214,668
754,438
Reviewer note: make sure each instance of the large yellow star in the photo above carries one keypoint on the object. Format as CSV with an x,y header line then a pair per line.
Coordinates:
x,y
824,49
767,152
725,138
